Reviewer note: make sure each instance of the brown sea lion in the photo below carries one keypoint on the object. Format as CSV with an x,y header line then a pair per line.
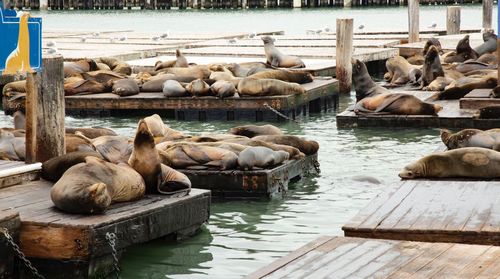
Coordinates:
x,y
104,77
223,89
432,67
469,66
238,70
117,66
363,83
395,103
463,52
488,58
173,88
155,125
198,88
255,130
15,86
90,187
125,87
75,143
471,138
294,153
489,45
196,72
191,156
12,148
468,162
260,157
179,62
308,147
76,85
268,87
80,66
53,169
19,120
159,65
115,149
457,92
299,77
398,70
418,59
102,66
92,132
277,59
439,84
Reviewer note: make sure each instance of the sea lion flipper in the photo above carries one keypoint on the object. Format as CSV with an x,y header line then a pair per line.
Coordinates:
x,y
387,102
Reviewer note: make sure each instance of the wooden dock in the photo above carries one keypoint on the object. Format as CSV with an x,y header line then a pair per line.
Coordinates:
x,y
267,183
478,99
347,257
306,42
62,245
432,211
321,95
448,43
14,172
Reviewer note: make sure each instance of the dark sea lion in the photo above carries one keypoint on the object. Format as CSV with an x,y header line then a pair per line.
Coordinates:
x,y
192,156
80,66
463,52
54,168
125,87
363,83
470,138
255,130
90,187
418,59
308,147
260,157
468,162
198,88
398,70
223,89
299,77
489,112
268,87
116,65
432,67
19,120
76,85
455,93
277,59
92,132
469,66
145,159
173,88
75,143
395,103
489,45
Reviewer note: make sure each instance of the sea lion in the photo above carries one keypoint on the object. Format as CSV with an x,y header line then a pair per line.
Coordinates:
x,y
179,62
114,149
471,138
102,66
53,169
92,132
488,58
489,45
469,66
125,87
76,85
191,156
432,67
463,52
104,77
299,77
468,162
275,58
418,59
155,125
173,183
159,65
14,87
439,84
395,103
198,88
75,143
196,72
223,89
19,120
238,70
117,66
308,147
90,187
363,83
172,88
255,130
268,87
260,157
489,112
398,70
457,92
80,66
12,148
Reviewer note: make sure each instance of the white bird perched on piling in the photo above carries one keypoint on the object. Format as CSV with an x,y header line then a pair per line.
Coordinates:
x,y
433,25
51,44
165,35
252,35
233,40
361,27
96,34
52,50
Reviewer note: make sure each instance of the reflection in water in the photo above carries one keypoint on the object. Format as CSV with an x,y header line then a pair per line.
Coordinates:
x,y
243,236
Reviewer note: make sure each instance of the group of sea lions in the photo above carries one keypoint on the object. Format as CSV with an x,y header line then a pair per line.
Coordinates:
x,y
471,153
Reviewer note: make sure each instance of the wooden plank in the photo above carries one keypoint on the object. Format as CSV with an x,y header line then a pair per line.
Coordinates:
x,y
8,220
285,42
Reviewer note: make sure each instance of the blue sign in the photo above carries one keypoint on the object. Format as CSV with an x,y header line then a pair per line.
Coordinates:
x,y
21,43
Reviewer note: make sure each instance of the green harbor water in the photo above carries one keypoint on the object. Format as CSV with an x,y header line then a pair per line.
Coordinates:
x,y
243,236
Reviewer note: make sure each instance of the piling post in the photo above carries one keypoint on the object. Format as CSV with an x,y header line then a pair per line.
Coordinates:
x,y
347,3
297,3
487,13
413,21
44,4
45,111
453,20
343,68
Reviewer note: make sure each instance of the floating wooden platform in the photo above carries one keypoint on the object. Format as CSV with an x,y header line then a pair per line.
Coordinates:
x,y
321,95
62,245
448,43
9,220
347,257
14,172
285,42
252,184
478,99
452,116
433,211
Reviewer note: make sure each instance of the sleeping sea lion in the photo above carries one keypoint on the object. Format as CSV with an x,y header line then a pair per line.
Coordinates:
x,y
90,187
457,92
196,72
172,88
223,89
92,132
255,130
192,156
80,66
76,85
54,168
308,147
268,87
117,66
75,143
125,87
395,103
198,88
260,157
277,59
471,138
468,162
299,77
179,62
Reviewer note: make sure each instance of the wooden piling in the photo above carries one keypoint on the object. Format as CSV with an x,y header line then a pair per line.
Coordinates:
x,y
413,21
453,20
498,53
45,111
487,13
343,56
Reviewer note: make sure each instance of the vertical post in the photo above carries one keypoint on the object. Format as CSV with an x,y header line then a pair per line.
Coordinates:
x,y
487,13
498,39
45,112
347,3
44,4
413,21
453,20
297,3
343,68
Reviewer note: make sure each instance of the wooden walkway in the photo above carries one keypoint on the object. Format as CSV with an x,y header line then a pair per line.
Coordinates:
x,y
478,99
15,172
62,245
321,95
284,41
433,211
347,257
252,184
448,43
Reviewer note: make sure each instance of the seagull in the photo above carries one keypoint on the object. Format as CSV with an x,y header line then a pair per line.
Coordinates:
x,y
83,39
327,29
252,35
51,44
155,38
433,25
121,39
233,40
361,27
165,35
96,34
52,50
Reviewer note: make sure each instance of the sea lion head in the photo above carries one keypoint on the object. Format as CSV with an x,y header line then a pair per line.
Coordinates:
x,y
358,68
463,45
431,55
178,53
143,136
268,40
432,42
413,170
304,77
445,135
489,34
